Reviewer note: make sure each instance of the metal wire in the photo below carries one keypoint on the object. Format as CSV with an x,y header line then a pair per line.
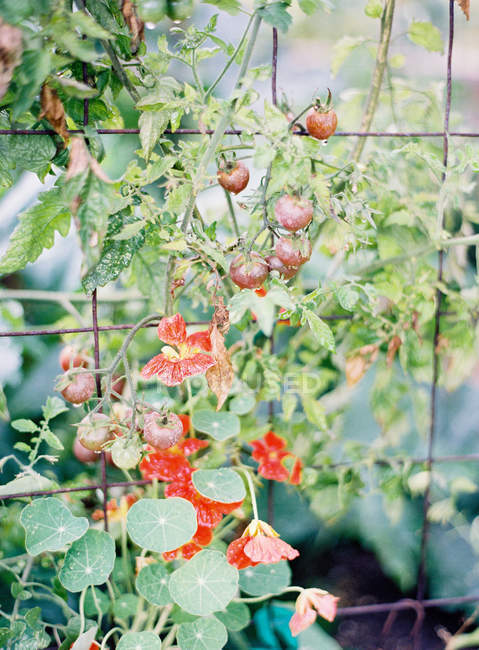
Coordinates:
x,y
418,604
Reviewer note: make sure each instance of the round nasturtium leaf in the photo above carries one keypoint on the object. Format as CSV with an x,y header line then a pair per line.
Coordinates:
x,y
89,561
152,584
50,526
265,578
205,584
125,606
219,426
223,485
235,617
202,634
139,641
242,404
102,603
161,524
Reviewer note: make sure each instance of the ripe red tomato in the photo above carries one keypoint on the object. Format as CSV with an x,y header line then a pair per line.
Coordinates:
x,y
321,124
248,272
80,389
72,358
293,251
275,264
293,212
234,177
94,431
162,431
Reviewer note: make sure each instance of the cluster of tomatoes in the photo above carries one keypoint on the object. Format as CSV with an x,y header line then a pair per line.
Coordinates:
x,y
294,213
98,432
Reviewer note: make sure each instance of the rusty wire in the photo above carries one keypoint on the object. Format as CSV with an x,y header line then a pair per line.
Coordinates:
x,y
419,604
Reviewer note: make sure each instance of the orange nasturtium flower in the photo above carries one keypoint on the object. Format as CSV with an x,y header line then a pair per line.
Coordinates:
x,y
182,356
260,543
116,511
309,604
269,451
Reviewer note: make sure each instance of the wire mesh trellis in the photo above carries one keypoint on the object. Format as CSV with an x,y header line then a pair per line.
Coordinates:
x,y
419,604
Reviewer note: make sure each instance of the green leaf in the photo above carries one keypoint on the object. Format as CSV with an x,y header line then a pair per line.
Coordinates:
x,y
88,26
116,255
242,404
235,617
139,641
223,485
21,446
276,14
50,526
347,297
374,9
53,407
342,50
89,561
51,439
25,426
314,411
4,414
36,231
74,88
161,525
29,483
125,606
265,579
32,152
205,584
202,634
427,35
152,584
230,6
321,330
220,426
309,6
102,599
152,124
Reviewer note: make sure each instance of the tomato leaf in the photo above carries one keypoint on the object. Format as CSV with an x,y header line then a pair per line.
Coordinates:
x,y
220,376
427,35
276,14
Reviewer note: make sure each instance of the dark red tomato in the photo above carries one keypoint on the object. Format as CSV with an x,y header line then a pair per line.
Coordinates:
x,y
293,212
162,431
275,264
72,358
293,251
234,177
248,271
94,431
80,389
321,124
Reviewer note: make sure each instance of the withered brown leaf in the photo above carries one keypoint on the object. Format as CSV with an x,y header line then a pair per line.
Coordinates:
x,y
135,25
10,53
356,366
53,111
220,376
81,160
465,6
393,346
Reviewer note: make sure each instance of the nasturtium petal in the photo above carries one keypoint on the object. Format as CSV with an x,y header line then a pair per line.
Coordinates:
x,y
223,485
152,584
265,579
139,641
202,634
161,525
50,526
220,426
235,617
205,584
88,561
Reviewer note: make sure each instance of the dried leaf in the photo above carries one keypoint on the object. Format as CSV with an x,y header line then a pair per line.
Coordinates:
x,y
220,376
465,6
135,25
81,160
53,111
355,368
221,316
10,53
393,346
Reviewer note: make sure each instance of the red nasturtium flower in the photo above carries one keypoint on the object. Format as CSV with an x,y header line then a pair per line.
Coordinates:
x,y
260,543
309,604
201,538
171,464
182,356
269,451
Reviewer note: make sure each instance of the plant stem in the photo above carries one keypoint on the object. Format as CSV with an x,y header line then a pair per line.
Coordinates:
x,y
108,635
231,209
251,491
169,638
295,119
162,619
81,608
221,127
26,572
378,74
259,599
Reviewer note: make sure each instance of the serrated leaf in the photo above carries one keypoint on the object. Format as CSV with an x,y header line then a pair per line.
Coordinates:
x,y
115,256
22,446
230,6
427,35
374,9
314,411
88,25
50,526
25,426
51,439
223,485
152,124
89,561
53,407
276,14
347,297
36,231
321,330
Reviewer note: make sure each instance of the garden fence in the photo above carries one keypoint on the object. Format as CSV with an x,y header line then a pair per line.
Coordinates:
x,y
419,603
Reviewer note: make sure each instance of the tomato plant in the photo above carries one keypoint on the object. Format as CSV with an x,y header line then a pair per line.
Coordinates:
x,y
320,268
